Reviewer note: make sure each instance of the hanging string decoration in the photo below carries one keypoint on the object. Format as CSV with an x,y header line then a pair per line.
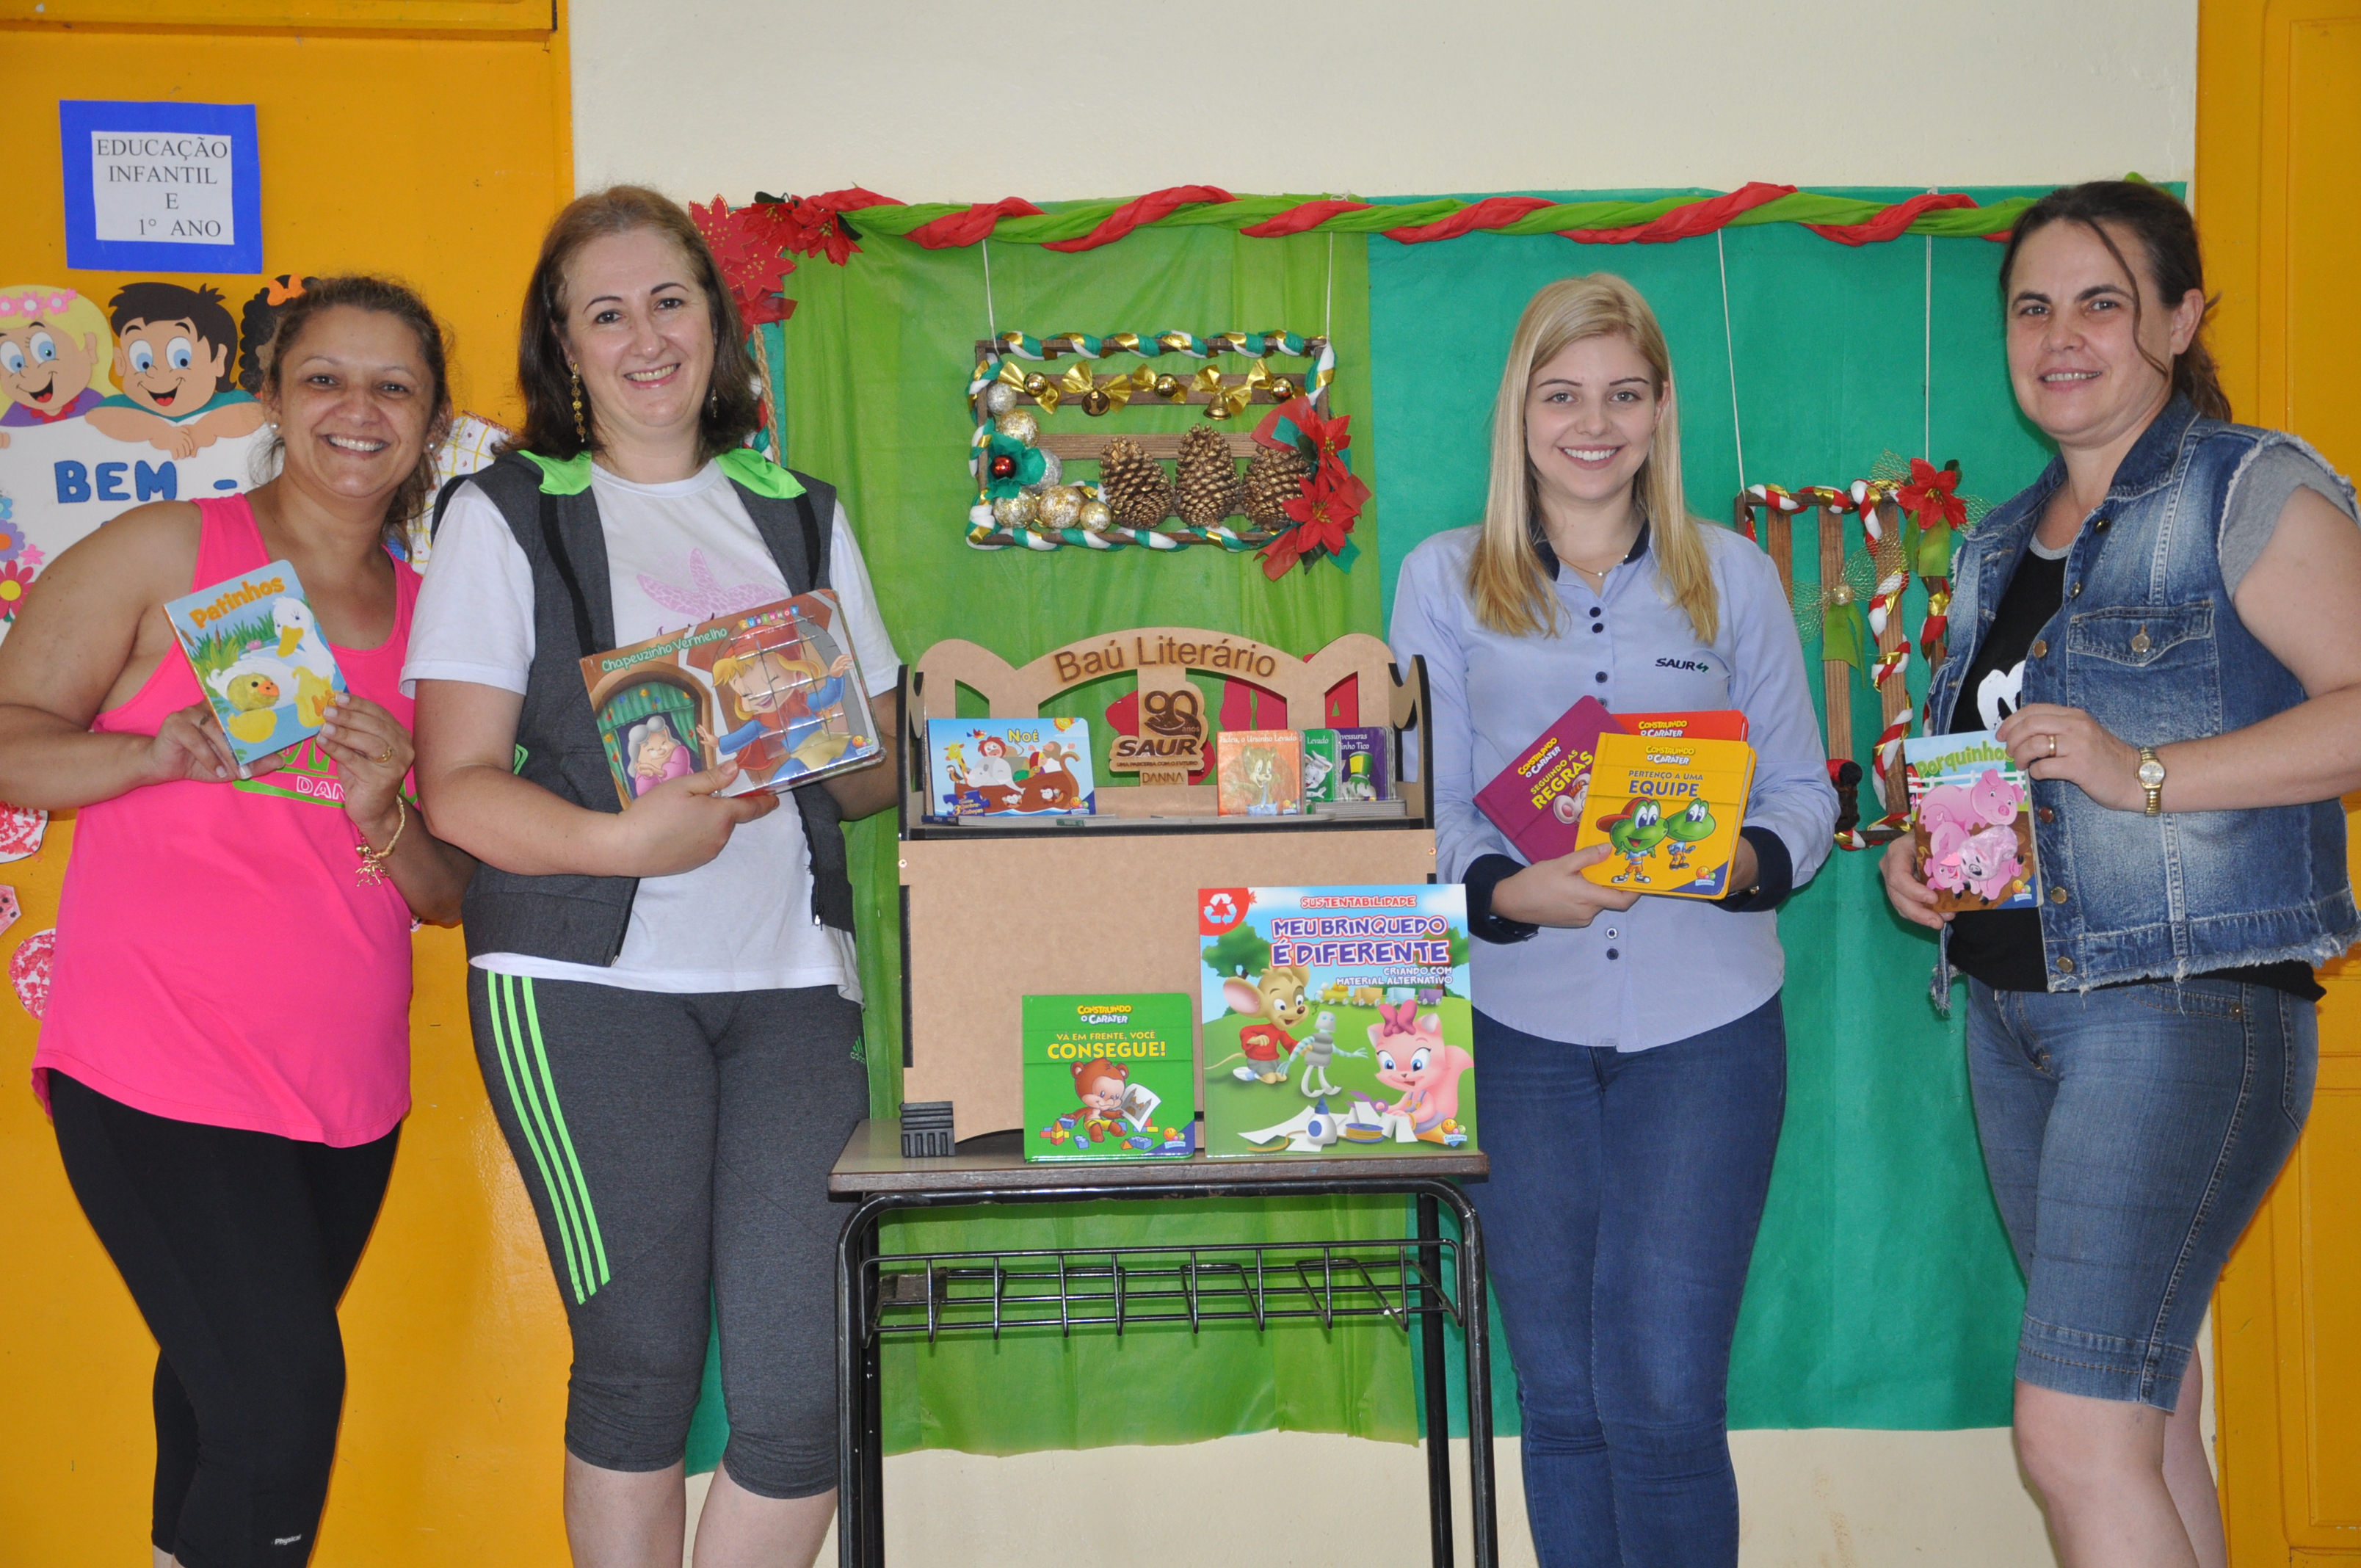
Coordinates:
x,y
1909,515
1298,499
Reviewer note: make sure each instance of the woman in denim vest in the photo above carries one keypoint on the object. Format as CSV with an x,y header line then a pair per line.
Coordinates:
x,y
2159,630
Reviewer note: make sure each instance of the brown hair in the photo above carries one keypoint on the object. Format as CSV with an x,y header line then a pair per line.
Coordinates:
x,y
732,410
2168,237
1505,577
388,298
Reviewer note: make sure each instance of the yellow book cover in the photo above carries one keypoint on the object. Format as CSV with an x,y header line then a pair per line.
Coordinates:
x,y
1670,809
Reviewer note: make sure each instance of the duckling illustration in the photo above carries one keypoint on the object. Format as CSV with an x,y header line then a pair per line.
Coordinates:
x,y
254,695
1635,835
1687,829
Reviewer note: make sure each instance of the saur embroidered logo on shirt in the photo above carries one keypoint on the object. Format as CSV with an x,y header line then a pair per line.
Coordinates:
x,y
1699,665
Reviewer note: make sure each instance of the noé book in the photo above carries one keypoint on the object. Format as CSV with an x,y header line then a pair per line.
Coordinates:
x,y
774,689
1009,767
1972,819
1336,1021
260,658
1669,809
1109,1077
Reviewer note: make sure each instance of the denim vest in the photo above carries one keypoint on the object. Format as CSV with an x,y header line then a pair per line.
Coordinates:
x,y
2147,643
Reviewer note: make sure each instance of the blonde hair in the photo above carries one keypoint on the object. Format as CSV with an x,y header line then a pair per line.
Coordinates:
x,y
1505,577
80,316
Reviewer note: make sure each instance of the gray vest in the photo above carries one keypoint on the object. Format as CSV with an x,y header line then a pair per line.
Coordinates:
x,y
582,919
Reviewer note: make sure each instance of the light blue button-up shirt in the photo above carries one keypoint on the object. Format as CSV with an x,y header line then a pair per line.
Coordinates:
x,y
1667,968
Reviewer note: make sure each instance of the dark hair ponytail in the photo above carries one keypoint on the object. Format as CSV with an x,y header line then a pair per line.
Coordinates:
x,y
385,296
2168,237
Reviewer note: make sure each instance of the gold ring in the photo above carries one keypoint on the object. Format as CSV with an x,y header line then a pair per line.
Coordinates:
x,y
387,755
2053,748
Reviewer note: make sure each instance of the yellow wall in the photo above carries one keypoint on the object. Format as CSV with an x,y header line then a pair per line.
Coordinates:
x,y
437,159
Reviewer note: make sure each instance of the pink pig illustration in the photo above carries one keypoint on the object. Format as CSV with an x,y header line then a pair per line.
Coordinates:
x,y
1413,1058
1995,799
1988,863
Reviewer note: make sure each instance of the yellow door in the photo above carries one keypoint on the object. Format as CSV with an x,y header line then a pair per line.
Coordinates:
x,y
429,139
2279,139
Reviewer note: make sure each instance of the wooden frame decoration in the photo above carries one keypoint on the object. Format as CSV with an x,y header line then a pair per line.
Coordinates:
x,y
1113,899
1023,498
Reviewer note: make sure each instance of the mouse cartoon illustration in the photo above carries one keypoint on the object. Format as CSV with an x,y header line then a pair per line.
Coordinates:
x,y
1413,1058
1280,999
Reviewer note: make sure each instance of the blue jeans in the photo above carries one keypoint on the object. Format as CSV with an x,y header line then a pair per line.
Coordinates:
x,y
2130,1134
1618,1221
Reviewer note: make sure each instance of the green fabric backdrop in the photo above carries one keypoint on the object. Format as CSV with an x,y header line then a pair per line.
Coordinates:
x,y
1883,1293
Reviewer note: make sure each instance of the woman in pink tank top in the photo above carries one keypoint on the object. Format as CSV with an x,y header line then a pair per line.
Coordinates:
x,y
226,1051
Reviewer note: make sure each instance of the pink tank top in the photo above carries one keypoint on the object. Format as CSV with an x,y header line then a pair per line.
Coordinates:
x,y
218,960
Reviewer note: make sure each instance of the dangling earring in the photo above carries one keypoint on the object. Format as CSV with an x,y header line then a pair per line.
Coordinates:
x,y
581,428
713,399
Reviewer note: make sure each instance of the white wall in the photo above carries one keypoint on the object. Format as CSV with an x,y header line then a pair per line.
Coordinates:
x,y
930,100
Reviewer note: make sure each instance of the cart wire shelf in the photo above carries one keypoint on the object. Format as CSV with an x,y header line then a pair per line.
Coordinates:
x,y
1067,1288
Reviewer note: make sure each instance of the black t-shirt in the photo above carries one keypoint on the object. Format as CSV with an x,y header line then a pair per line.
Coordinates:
x,y
2003,946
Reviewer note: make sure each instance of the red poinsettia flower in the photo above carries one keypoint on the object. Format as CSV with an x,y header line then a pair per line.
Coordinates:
x,y
815,223
1930,497
747,246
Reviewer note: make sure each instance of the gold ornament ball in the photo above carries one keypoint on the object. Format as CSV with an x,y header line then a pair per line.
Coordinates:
x,y
999,398
1095,403
1171,387
1282,391
1841,593
1035,384
1016,511
1060,505
1021,425
1094,516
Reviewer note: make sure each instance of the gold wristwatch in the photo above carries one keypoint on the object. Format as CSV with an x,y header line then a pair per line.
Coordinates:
x,y
2151,778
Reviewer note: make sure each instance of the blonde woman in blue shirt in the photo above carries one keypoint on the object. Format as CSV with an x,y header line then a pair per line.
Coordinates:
x,y
1634,1058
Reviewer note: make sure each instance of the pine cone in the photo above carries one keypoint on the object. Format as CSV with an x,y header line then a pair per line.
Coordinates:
x,y
1209,488
1273,479
1134,484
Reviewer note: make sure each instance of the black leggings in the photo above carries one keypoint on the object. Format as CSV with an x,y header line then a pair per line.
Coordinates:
x,y
235,1246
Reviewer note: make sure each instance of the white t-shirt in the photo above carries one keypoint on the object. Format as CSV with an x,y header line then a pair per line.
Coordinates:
x,y
677,553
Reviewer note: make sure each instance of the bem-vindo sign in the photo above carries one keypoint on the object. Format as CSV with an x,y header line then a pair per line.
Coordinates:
x,y
163,187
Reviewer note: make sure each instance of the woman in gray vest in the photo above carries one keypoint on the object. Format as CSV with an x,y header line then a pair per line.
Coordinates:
x,y
2160,631
665,998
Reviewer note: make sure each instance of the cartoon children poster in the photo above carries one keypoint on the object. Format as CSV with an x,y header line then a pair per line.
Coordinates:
x,y
56,355
174,352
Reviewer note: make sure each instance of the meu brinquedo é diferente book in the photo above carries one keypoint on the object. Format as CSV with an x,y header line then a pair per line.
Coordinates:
x,y
774,689
1670,810
260,658
1336,1021
1109,1077
1971,818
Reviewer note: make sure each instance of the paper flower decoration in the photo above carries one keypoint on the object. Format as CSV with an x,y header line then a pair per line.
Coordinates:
x,y
16,576
1010,465
12,534
747,245
1931,498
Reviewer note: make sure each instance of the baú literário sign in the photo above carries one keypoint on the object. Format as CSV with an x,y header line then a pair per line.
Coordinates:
x,y
164,187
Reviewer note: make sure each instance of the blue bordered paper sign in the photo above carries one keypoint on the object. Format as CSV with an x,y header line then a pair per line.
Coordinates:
x,y
161,187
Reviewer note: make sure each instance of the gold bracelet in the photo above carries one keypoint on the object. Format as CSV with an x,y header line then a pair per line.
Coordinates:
x,y
373,873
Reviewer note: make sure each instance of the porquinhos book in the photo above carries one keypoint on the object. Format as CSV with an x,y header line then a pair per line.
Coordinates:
x,y
1971,818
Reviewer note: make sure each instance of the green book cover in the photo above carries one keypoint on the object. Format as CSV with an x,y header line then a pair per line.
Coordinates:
x,y
1110,1077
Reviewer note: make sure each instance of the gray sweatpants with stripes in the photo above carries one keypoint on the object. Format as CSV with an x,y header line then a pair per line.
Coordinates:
x,y
677,1148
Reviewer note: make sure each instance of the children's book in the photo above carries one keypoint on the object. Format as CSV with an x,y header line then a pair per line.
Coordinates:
x,y
1671,809
1336,1021
1537,799
260,658
1364,764
1712,724
1009,767
1109,1077
1260,773
1320,769
774,689
1971,817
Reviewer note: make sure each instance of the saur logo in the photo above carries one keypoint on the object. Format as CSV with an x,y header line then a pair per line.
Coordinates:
x,y
1699,665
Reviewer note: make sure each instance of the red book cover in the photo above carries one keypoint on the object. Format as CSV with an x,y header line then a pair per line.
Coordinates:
x,y
1537,798
1715,724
